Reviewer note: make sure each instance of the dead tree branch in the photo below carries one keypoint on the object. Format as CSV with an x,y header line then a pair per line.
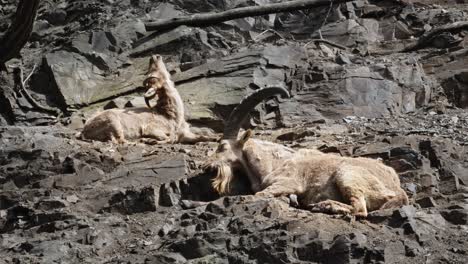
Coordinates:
x,y
268,30
207,19
22,85
19,31
427,37
331,43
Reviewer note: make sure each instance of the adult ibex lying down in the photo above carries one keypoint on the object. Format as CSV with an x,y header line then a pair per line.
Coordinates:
x,y
323,182
164,122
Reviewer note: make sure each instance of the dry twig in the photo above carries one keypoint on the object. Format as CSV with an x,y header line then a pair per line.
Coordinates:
x,y
22,85
331,43
268,30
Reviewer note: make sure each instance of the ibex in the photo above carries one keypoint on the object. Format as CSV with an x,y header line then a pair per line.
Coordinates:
x,y
323,182
164,122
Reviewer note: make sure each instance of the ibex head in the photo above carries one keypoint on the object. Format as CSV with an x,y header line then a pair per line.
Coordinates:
x,y
157,76
228,156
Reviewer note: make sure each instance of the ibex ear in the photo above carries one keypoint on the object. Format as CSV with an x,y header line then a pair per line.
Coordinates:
x,y
245,137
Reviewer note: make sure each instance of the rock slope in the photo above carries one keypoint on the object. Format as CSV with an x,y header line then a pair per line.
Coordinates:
x,y
381,89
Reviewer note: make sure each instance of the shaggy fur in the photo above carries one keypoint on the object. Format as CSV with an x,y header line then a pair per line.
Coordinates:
x,y
323,182
164,122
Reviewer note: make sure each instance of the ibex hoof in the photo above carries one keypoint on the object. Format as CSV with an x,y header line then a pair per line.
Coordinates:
x,y
330,207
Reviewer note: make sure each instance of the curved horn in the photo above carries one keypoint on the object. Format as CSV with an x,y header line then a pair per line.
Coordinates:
x,y
240,113
150,94
147,101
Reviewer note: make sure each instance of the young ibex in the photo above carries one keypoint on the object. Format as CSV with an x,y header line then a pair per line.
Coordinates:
x,y
323,182
164,122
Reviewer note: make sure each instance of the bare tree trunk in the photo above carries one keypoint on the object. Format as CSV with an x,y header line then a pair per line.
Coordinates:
x,y
206,19
19,31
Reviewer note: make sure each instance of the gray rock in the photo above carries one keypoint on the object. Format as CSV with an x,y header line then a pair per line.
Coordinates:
x,y
426,202
296,134
88,44
136,171
194,248
456,88
115,103
456,217
49,204
367,29
166,228
80,82
72,198
405,212
340,250
78,173
135,102
170,194
166,258
424,225
347,91
393,29
56,16
134,201
51,250
412,248
209,98
167,41
343,59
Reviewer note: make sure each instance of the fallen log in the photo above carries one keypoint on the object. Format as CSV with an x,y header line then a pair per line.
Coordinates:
x,y
207,19
427,37
19,31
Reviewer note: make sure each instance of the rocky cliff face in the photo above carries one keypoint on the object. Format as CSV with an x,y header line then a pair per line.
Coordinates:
x,y
367,78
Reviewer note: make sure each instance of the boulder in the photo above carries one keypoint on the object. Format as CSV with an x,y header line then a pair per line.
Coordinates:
x,y
210,91
456,88
81,82
134,201
332,91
